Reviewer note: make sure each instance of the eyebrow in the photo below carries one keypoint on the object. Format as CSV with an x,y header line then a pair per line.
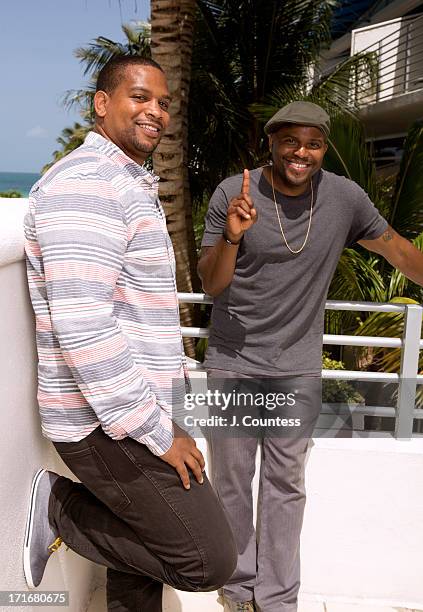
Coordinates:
x,y
147,91
314,139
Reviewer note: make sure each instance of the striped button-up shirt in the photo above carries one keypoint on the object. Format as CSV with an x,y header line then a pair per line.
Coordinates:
x,y
101,273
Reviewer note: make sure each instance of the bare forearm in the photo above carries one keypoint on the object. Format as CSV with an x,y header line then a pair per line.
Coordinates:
x,y
400,253
410,263
216,267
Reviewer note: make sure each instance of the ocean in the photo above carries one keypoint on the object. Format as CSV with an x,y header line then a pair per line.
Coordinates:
x,y
18,181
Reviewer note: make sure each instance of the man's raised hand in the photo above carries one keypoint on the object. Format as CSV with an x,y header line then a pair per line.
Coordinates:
x,y
241,213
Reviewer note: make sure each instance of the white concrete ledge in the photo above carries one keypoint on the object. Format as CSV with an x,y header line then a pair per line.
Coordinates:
x,y
12,212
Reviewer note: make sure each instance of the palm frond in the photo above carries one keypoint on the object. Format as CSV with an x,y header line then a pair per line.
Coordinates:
x,y
69,139
82,98
138,33
339,87
348,155
98,53
356,279
407,203
391,325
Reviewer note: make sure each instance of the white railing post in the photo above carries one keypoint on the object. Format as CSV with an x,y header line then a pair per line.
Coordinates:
x,y
408,371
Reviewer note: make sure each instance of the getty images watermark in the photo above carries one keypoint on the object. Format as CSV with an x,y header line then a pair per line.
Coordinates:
x,y
248,407
292,407
233,409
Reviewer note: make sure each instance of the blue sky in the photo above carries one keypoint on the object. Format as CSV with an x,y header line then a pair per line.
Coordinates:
x,y
37,66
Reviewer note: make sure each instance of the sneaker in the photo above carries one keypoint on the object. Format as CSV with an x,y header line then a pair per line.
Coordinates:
x,y
237,606
41,539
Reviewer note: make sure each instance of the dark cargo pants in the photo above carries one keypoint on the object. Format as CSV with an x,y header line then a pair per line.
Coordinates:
x,y
133,515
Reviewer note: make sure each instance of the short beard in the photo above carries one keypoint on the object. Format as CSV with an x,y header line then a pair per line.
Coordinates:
x,y
141,147
293,182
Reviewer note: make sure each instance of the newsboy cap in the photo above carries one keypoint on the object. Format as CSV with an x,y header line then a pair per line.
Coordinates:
x,y
302,113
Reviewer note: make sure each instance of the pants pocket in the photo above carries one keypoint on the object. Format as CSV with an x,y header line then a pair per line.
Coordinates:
x,y
92,470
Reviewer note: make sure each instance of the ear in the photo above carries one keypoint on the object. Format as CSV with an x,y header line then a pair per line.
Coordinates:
x,y
270,142
101,99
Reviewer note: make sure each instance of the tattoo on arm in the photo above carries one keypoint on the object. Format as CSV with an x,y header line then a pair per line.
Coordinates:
x,y
387,236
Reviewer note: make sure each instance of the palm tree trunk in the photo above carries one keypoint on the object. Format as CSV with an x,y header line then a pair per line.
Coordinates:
x,y
171,45
188,8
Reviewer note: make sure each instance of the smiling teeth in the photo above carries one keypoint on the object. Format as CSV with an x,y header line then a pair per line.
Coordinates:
x,y
150,128
298,165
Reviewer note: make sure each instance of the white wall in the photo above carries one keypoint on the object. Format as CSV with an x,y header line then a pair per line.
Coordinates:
x,y
23,450
362,535
367,39
398,44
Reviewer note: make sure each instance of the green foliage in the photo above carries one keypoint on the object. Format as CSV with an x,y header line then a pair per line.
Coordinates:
x,y
390,325
356,279
387,325
11,193
406,214
200,349
93,58
242,52
337,390
231,70
347,154
70,139
97,54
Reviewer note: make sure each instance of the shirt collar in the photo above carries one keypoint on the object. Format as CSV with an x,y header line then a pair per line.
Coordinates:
x,y
109,148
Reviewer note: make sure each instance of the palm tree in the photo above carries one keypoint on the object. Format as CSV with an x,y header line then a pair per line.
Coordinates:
x,y
231,69
70,139
172,24
239,61
242,52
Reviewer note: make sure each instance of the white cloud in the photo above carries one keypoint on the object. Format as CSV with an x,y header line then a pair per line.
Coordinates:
x,y
37,132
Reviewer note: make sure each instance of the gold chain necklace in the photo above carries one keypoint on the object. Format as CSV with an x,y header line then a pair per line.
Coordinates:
x,y
280,222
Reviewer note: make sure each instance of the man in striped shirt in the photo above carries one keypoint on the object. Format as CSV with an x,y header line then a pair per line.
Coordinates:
x,y
101,274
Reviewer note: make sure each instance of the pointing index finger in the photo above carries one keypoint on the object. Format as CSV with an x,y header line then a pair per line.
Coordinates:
x,y
245,189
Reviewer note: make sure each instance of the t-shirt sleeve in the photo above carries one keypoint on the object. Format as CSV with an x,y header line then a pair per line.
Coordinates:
x,y
367,222
215,218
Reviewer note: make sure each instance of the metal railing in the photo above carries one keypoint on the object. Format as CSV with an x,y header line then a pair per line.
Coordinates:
x,y
399,64
410,344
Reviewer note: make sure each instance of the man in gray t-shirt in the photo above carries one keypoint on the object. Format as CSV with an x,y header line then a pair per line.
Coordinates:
x,y
268,320
272,240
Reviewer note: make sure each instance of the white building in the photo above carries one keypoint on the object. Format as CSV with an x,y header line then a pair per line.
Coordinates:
x,y
393,32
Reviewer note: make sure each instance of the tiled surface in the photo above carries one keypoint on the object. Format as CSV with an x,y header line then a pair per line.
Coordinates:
x,y
311,606
344,607
364,607
207,602
172,602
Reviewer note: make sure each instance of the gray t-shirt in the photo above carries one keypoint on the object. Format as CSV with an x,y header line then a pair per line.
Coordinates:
x,y
269,320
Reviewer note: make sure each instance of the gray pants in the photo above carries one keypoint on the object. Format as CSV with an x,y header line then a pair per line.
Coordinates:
x,y
268,568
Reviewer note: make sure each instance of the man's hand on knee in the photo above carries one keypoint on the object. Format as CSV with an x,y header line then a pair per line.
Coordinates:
x,y
184,454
